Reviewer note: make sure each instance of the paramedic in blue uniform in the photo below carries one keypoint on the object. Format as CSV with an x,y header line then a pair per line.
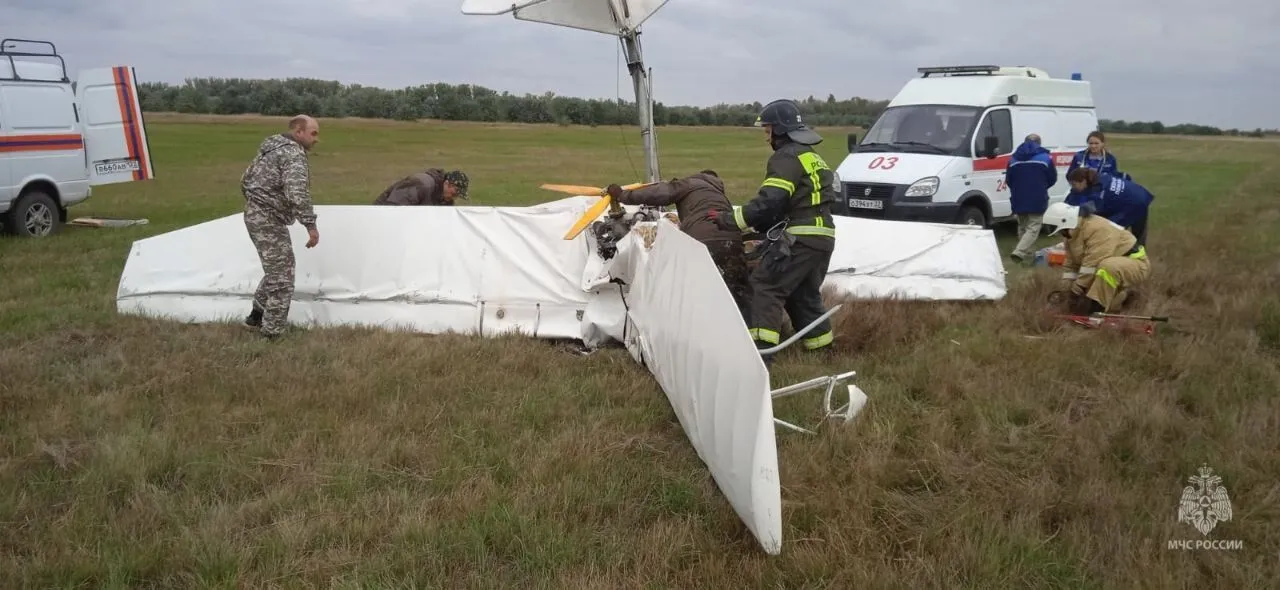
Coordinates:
x,y
1096,157
1030,174
1118,199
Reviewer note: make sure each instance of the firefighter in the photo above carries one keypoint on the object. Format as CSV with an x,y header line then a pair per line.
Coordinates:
x,y
1104,263
695,197
792,208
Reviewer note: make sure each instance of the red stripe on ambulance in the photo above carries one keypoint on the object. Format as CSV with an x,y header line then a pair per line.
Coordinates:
x,y
1060,160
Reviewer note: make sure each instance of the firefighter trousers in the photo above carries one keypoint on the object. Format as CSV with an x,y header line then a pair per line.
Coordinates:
x,y
790,283
1115,278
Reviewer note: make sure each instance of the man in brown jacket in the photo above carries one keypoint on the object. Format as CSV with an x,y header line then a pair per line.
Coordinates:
x,y
1104,261
432,187
694,197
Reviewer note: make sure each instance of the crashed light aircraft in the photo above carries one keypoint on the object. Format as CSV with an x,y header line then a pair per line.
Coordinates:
x,y
506,269
634,280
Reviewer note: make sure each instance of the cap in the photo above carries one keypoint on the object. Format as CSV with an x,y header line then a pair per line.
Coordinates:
x,y
459,179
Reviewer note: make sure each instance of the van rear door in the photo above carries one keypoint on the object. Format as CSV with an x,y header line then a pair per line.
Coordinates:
x,y
114,132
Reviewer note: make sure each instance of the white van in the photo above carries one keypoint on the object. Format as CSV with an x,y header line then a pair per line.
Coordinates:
x,y
939,150
59,138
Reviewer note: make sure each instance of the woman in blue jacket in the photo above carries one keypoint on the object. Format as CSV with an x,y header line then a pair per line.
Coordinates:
x,y
1096,157
1120,200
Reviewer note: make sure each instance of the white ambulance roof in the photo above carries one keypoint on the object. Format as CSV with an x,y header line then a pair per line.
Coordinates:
x,y
991,90
29,69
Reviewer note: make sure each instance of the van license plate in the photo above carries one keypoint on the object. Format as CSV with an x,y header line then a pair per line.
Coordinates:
x,y
865,204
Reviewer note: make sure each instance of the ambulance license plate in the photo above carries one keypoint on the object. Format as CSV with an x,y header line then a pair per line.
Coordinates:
x,y
865,204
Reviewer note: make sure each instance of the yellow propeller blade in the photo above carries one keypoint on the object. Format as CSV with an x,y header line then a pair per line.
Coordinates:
x,y
596,210
574,189
582,189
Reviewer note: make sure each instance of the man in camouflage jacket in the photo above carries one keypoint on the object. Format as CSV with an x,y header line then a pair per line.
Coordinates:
x,y
276,189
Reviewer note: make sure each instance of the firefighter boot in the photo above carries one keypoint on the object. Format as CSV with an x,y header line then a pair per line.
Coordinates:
x,y
1127,298
1081,305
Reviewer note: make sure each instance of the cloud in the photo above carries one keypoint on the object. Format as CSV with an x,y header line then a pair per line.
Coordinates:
x,y
1173,60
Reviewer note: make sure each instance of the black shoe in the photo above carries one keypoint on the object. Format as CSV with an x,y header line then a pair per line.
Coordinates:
x,y
1130,299
254,319
1081,305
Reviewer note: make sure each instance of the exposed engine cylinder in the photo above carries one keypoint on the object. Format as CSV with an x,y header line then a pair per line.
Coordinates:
x,y
612,228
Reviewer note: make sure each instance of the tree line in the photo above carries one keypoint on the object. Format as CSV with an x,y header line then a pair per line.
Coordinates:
x,y
468,102
1156,127
459,102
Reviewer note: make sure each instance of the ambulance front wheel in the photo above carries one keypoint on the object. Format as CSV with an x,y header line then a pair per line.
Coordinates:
x,y
972,215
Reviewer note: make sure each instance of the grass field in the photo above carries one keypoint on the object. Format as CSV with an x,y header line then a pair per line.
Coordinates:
x,y
139,453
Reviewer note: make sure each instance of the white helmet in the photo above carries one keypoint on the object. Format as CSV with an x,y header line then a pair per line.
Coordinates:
x,y
1062,216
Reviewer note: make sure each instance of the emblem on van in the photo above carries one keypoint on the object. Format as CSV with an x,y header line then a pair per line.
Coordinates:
x,y
867,192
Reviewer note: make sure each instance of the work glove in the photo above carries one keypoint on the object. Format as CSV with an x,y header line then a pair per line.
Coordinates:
x,y
722,220
1077,290
1088,208
614,191
1080,305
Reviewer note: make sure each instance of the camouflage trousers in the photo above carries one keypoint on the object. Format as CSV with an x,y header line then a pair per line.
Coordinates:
x,y
275,250
730,259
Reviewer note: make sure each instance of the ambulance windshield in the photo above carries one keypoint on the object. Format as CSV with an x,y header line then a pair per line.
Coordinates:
x,y
934,129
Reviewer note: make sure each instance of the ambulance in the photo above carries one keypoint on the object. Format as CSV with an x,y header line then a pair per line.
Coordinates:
x,y
939,150
59,138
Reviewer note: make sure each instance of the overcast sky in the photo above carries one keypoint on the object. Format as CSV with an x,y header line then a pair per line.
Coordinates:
x,y
1216,63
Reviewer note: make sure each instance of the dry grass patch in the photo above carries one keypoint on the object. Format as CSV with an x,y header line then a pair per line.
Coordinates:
x,y
138,453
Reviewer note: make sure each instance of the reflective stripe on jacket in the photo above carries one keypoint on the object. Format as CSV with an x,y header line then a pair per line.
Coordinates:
x,y
798,188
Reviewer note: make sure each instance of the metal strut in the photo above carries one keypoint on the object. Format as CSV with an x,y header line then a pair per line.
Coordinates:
x,y
644,105
644,101
857,398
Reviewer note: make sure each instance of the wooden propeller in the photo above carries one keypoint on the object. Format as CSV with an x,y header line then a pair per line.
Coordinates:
x,y
596,210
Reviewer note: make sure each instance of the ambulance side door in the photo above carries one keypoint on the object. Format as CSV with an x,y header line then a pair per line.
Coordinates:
x,y
988,172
